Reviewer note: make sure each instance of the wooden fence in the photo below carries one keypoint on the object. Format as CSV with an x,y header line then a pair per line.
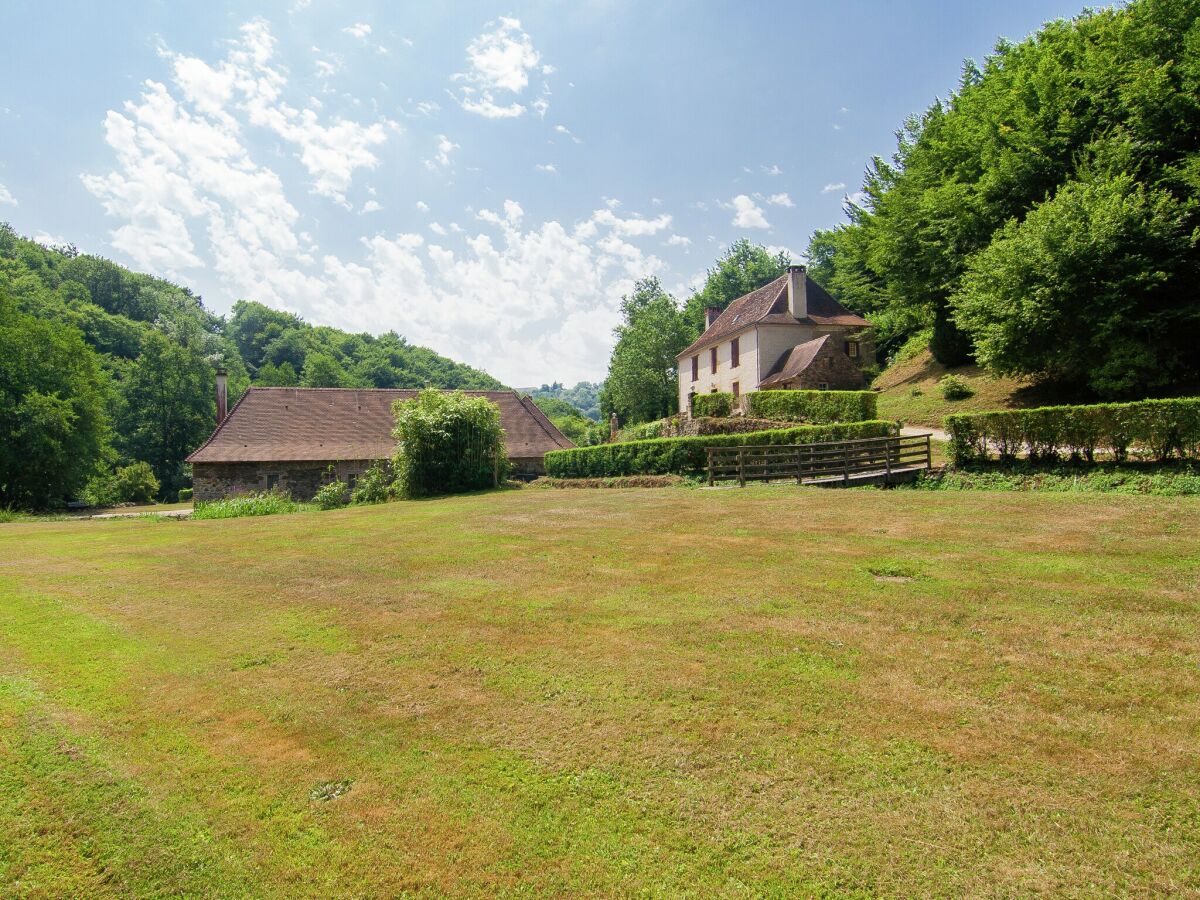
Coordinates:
x,y
830,462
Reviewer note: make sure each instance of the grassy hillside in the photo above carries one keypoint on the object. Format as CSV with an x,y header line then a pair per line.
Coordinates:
x,y
910,391
607,692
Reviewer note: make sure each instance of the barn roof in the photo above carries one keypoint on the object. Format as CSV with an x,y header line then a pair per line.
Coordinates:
x,y
274,424
769,306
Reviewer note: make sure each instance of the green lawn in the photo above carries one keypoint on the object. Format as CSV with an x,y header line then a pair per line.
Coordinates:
x,y
774,691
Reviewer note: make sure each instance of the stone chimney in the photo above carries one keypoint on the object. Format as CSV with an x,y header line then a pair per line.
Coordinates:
x,y
797,292
222,395
710,316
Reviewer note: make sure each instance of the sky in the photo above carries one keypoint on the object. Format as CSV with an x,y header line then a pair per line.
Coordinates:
x,y
486,180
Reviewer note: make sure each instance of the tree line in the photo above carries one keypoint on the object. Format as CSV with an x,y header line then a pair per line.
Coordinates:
x,y
105,372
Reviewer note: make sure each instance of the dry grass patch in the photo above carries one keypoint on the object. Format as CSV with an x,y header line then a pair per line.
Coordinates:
x,y
766,691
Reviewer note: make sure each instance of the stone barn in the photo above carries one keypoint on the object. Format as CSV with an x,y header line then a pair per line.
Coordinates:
x,y
288,438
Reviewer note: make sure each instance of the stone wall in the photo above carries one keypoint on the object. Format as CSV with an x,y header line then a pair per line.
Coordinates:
x,y
831,368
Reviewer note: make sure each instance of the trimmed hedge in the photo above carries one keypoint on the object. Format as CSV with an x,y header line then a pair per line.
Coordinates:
x,y
817,407
1162,427
686,456
715,404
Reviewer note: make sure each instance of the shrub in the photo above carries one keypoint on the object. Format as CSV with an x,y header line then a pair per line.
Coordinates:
x,y
816,407
955,387
332,495
134,483
185,494
686,455
263,504
448,442
1164,428
715,404
374,485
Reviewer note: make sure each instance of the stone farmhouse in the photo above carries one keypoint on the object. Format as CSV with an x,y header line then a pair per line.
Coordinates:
x,y
288,438
789,334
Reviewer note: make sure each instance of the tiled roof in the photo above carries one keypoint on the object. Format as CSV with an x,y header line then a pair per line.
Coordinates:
x,y
793,362
271,424
769,306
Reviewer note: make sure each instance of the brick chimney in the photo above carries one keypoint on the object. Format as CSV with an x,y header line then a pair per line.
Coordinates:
x,y
222,395
710,316
797,292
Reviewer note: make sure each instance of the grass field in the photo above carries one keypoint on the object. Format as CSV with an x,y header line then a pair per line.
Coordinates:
x,y
775,691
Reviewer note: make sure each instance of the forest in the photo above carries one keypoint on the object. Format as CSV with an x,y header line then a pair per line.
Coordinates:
x,y
106,375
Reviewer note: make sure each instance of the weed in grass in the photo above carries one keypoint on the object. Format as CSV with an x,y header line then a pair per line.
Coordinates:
x,y
895,571
330,790
264,504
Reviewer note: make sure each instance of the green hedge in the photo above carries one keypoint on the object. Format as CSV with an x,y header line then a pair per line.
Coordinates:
x,y
1163,428
686,456
715,404
817,407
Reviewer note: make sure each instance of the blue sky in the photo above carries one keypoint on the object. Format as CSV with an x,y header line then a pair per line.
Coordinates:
x,y
485,179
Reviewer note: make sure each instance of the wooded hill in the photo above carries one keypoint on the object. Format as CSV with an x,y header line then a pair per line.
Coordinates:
x,y
102,367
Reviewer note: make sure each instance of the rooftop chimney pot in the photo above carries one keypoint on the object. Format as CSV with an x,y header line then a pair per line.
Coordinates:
x,y
710,315
222,395
797,292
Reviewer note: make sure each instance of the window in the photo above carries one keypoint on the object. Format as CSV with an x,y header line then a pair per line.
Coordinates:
x,y
823,386
737,389
713,357
695,368
734,353
272,481
852,349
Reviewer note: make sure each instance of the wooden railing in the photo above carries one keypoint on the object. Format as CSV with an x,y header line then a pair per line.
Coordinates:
x,y
829,461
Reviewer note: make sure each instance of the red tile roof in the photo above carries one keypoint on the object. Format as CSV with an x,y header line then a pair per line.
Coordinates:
x,y
769,306
271,424
793,362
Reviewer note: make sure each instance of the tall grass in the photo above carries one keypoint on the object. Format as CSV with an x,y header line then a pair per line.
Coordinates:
x,y
7,514
264,504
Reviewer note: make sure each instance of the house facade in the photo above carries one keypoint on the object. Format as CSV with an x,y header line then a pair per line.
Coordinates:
x,y
297,439
789,334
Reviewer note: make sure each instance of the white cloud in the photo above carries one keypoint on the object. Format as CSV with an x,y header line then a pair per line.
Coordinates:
x,y
422,206
833,186
360,30
427,107
747,213
678,240
837,127
498,61
546,167
441,159
371,206
780,200
772,170
246,82
325,67
6,197
437,229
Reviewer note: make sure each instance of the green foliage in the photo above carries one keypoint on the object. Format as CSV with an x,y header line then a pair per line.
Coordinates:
x,y
185,494
717,403
134,483
686,455
642,381
323,371
267,503
448,443
955,387
1159,481
817,407
1043,216
743,268
376,485
1162,428
54,423
585,396
332,495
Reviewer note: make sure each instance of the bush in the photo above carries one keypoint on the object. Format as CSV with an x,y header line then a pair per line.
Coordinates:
x,y
129,484
374,485
955,387
448,442
715,404
264,504
1164,428
332,495
816,407
185,494
686,455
